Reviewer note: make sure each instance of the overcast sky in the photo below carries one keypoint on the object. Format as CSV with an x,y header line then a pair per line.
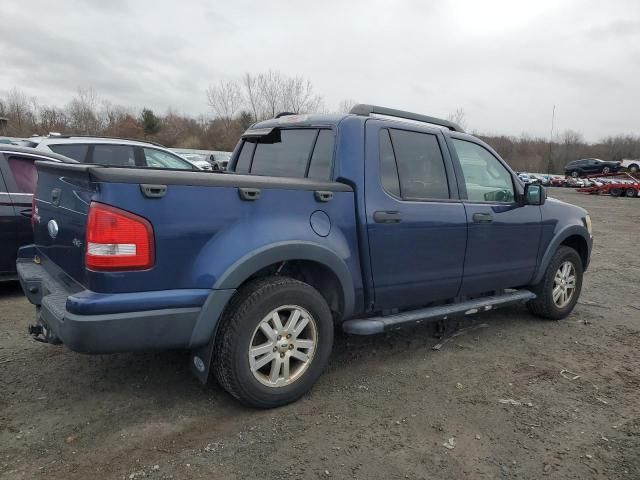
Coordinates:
x,y
505,62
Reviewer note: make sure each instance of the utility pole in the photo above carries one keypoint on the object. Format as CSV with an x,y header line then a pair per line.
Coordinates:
x,y
553,117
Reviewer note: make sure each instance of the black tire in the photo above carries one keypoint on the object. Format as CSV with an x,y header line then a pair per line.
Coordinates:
x,y
615,192
544,306
606,170
575,173
630,192
249,307
633,168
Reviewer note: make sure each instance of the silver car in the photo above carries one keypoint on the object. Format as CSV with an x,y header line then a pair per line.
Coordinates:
x,y
110,151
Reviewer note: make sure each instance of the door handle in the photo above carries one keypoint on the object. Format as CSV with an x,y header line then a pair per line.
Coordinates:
x,y
387,217
249,194
322,196
482,218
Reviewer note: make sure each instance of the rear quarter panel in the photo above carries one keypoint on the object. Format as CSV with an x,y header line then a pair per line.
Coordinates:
x,y
200,232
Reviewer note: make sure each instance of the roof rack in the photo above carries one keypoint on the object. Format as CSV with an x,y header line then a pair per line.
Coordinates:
x,y
61,135
367,110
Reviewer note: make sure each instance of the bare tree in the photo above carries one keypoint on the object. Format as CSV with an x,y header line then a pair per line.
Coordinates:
x,y
346,105
272,87
225,99
298,96
19,113
459,118
83,113
252,95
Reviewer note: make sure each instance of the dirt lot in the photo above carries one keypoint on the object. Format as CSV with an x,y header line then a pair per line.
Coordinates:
x,y
384,409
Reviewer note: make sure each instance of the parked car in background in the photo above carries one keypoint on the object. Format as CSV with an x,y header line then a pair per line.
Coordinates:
x,y
590,166
18,178
632,165
198,160
557,181
110,151
545,180
356,221
524,177
217,159
575,182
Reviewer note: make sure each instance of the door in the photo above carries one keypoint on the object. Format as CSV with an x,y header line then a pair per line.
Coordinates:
x,y
8,239
416,224
21,177
503,235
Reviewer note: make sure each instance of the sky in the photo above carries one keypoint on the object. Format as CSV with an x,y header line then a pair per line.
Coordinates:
x,y
506,63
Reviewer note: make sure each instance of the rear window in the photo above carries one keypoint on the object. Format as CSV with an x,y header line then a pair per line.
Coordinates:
x,y
75,151
119,155
24,174
289,153
161,159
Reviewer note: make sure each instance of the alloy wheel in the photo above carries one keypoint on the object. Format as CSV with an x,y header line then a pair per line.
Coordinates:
x,y
283,345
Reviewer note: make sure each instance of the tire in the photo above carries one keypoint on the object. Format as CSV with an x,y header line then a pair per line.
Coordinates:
x,y
606,170
575,173
615,192
633,168
241,329
544,305
630,192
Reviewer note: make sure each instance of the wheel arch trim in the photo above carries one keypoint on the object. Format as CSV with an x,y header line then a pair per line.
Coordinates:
x,y
569,231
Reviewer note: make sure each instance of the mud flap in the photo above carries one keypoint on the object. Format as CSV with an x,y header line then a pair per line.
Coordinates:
x,y
200,361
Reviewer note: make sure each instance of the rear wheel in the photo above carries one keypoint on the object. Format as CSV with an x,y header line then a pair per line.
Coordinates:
x,y
630,192
275,342
615,192
606,170
633,168
575,173
558,292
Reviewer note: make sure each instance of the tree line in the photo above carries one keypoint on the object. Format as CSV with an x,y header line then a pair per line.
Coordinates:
x,y
237,103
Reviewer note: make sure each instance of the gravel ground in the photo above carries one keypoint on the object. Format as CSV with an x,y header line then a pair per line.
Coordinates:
x,y
491,403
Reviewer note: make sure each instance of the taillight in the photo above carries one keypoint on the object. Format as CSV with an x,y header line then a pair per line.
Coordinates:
x,y
117,240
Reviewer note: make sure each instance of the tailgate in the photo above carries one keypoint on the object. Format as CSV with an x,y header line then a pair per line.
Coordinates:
x,y
62,200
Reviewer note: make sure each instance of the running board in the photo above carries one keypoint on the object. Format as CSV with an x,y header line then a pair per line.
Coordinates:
x,y
370,326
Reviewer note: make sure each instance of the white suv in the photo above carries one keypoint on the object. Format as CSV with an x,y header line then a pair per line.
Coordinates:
x,y
110,151
632,165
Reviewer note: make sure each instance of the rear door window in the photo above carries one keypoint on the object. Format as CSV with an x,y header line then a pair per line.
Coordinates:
x,y
161,159
420,165
388,167
24,173
117,155
75,151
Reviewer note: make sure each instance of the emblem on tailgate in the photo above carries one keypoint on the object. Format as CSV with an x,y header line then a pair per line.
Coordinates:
x,y
53,229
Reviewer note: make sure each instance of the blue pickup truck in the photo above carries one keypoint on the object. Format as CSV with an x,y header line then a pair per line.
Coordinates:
x,y
368,221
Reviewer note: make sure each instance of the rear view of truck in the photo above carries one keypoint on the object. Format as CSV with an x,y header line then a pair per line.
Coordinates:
x,y
129,259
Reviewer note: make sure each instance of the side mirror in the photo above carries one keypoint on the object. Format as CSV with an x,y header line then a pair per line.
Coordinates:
x,y
534,194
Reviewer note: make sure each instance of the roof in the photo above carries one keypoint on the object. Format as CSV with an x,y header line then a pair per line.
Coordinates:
x,y
32,151
301,120
74,139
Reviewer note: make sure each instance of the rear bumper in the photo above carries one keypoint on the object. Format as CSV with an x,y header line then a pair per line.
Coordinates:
x,y
157,328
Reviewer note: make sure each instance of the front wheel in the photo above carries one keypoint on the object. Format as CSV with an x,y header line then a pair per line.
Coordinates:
x,y
275,342
558,292
633,168
575,174
606,170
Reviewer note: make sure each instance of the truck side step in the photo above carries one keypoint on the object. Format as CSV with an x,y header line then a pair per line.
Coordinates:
x,y
370,326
